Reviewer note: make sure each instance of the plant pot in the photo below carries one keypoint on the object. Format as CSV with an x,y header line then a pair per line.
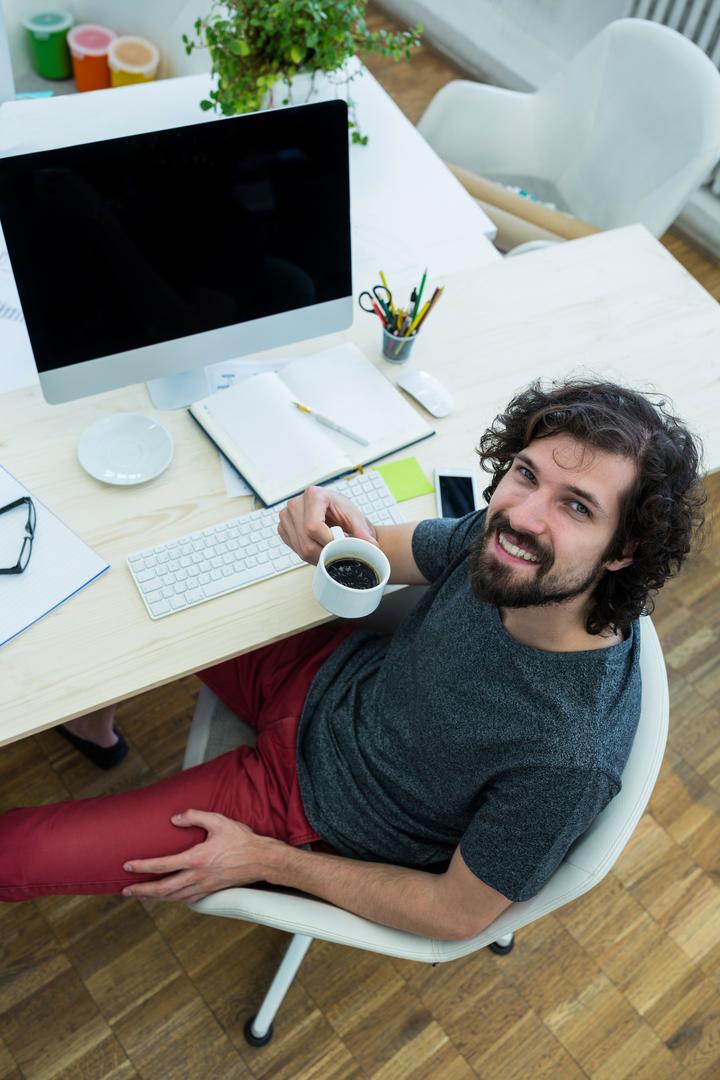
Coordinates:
x,y
308,86
299,91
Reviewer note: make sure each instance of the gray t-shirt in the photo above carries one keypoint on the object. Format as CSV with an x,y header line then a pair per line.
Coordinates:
x,y
450,731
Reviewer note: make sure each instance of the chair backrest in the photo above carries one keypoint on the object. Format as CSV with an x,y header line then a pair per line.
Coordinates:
x,y
631,126
594,853
597,849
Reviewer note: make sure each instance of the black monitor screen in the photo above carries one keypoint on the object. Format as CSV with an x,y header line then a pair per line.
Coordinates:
x,y
125,243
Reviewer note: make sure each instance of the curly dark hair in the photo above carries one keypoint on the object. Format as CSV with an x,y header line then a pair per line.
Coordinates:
x,y
660,515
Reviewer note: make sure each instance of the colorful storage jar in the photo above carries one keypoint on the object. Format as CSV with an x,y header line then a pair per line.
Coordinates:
x,y
89,46
47,32
132,60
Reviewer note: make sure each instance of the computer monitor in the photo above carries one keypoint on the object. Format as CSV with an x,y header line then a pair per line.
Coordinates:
x,y
153,255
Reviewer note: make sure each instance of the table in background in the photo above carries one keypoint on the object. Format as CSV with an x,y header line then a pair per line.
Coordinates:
x,y
617,304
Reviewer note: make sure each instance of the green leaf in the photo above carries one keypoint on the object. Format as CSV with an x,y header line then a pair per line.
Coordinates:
x,y
206,105
255,43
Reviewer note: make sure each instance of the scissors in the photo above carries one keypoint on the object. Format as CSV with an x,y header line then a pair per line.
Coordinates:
x,y
378,303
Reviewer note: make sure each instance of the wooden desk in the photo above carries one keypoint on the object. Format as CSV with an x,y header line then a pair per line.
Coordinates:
x,y
617,304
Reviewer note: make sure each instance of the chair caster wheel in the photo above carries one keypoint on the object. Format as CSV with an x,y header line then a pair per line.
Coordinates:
x,y
256,1040
501,950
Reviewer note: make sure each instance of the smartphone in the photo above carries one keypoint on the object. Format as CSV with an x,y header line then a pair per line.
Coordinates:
x,y
456,492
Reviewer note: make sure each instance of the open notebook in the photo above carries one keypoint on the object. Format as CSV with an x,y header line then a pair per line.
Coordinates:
x,y
60,565
279,450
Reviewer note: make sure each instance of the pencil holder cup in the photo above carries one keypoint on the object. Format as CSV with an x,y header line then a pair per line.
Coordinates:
x,y
397,349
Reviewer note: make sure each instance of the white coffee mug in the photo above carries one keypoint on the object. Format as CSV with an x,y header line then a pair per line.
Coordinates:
x,y
340,599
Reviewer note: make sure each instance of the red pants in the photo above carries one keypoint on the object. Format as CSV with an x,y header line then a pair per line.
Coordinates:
x,y
80,846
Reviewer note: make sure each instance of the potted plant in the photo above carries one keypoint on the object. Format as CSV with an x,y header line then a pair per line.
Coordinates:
x,y
258,45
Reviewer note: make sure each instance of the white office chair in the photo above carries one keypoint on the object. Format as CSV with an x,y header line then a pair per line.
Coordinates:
x,y
623,134
216,729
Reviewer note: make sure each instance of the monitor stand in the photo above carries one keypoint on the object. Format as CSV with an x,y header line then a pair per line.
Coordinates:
x,y
179,391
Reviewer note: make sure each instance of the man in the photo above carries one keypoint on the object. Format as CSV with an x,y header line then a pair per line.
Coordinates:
x,y
443,772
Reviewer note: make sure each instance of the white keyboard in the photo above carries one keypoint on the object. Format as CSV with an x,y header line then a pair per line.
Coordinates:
x,y
238,552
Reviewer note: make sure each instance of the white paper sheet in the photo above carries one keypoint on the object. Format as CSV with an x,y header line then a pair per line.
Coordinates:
x,y
17,365
60,565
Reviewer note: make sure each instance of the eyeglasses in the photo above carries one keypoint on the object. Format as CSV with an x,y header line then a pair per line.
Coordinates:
x,y
27,542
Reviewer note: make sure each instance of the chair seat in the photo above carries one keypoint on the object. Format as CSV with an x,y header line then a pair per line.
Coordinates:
x,y
215,730
545,191
298,914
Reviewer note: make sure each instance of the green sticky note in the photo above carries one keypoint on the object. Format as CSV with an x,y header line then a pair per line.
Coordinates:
x,y
405,478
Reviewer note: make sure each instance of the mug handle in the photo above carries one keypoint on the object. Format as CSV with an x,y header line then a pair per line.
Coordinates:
x,y
337,533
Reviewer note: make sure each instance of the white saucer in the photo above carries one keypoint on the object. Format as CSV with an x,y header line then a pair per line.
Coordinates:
x,y
126,448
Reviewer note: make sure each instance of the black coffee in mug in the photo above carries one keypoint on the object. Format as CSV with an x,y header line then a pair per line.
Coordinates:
x,y
353,572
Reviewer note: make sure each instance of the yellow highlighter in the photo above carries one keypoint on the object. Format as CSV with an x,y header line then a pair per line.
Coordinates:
x,y
427,308
392,306
418,317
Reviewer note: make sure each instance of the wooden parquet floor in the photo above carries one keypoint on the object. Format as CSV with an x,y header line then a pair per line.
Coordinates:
x,y
625,982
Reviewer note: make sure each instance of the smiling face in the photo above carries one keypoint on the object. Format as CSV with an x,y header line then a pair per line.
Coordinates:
x,y
550,523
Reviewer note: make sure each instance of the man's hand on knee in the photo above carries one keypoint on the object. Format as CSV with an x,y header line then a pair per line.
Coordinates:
x,y
231,855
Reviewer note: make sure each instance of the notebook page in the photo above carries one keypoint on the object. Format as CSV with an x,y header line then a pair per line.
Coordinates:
x,y
60,565
221,377
343,384
276,446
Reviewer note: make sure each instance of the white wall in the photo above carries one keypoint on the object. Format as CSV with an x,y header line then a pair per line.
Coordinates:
x,y
162,21
7,86
515,43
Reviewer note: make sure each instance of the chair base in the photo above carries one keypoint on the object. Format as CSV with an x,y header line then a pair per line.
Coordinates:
x,y
531,245
504,946
256,1040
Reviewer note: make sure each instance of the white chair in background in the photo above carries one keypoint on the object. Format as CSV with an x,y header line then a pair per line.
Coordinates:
x,y
623,134
216,729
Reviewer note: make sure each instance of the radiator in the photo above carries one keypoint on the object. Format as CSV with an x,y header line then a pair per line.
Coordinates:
x,y
698,20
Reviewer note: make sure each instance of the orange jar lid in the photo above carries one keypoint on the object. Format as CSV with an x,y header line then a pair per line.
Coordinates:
x,y
134,54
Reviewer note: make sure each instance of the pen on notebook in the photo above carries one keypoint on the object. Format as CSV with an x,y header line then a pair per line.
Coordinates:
x,y
327,422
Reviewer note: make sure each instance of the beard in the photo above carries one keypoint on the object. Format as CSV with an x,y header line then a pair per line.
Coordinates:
x,y
501,585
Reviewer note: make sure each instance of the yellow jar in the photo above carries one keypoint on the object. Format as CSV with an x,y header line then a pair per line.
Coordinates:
x,y
132,60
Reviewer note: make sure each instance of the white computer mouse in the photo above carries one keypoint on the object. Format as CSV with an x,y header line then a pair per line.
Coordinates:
x,y
429,391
